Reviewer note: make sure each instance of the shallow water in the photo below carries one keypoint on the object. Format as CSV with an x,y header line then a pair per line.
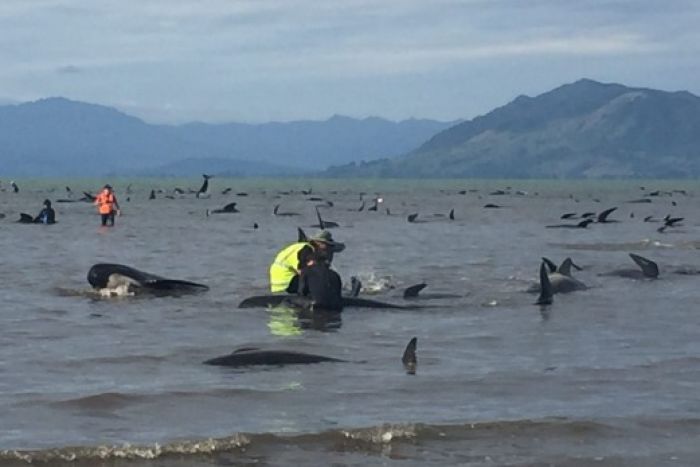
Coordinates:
x,y
607,375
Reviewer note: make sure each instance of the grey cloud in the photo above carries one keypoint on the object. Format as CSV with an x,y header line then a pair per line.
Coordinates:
x,y
217,55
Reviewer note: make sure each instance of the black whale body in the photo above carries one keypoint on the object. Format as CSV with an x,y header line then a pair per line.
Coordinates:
x,y
254,356
107,275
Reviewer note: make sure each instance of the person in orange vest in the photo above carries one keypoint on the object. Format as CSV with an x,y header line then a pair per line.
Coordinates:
x,y
107,205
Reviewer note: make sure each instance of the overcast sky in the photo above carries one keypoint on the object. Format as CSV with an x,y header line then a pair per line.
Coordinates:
x,y
261,60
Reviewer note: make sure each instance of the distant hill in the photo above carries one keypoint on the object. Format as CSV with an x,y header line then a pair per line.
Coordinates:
x,y
585,129
314,145
220,166
61,137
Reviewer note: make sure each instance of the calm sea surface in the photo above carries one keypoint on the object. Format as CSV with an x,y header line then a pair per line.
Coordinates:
x,y
605,376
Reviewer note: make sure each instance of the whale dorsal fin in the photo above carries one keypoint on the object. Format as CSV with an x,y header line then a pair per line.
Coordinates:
x,y
321,224
546,293
409,359
356,286
649,268
414,290
603,216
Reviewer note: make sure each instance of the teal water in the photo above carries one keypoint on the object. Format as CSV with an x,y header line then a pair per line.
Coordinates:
x,y
621,357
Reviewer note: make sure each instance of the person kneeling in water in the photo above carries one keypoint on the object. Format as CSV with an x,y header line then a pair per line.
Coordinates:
x,y
321,284
47,215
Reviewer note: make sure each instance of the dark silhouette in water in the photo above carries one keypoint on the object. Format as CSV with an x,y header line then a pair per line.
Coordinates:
x,y
254,356
560,278
323,224
647,269
581,225
230,208
204,189
546,292
111,276
409,360
603,216
251,356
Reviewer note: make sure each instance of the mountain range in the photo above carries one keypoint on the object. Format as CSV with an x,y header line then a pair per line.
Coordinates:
x,y
585,129
60,137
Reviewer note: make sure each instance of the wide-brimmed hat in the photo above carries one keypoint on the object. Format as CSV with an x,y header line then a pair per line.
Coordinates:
x,y
324,236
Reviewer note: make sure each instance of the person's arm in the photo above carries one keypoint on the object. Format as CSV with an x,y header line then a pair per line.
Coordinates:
x,y
116,203
303,257
303,288
38,219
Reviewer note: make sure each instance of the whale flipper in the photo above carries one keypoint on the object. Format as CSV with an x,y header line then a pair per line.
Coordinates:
x,y
649,268
565,267
414,290
546,293
409,359
550,264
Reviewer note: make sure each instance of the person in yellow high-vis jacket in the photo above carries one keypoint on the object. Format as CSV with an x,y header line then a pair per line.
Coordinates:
x,y
285,269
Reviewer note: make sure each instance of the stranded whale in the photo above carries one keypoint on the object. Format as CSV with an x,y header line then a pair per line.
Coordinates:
x,y
129,280
249,356
254,356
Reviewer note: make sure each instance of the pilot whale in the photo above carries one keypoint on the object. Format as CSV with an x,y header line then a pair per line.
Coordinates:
x,y
116,276
254,356
560,278
249,356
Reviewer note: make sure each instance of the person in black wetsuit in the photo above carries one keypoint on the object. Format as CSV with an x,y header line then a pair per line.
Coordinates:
x,y
47,215
321,284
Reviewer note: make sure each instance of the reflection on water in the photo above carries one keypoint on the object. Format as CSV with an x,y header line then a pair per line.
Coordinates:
x,y
288,320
